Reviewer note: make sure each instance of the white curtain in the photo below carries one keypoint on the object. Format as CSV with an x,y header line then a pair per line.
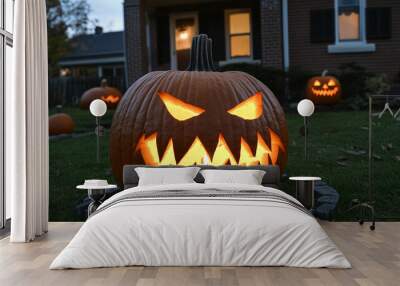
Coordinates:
x,y
27,168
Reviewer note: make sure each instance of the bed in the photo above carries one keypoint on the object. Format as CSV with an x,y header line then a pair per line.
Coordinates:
x,y
197,224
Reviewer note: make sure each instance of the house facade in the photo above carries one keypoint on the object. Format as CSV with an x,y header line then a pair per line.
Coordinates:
x,y
95,55
312,35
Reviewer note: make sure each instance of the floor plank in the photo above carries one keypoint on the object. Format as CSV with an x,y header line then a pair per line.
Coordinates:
x,y
375,257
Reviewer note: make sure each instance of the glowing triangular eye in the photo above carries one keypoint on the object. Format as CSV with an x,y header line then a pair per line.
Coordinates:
x,y
331,83
249,109
317,83
179,109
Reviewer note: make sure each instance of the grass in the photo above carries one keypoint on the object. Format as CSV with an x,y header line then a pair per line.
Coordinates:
x,y
84,121
335,139
72,160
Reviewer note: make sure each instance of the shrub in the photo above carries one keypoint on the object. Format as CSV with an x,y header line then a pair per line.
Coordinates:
x,y
352,77
271,77
298,79
357,84
377,84
276,79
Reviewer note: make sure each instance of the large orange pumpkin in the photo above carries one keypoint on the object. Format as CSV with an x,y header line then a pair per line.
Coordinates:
x,y
60,123
324,89
198,116
110,95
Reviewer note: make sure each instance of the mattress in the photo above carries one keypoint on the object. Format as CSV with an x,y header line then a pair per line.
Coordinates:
x,y
201,225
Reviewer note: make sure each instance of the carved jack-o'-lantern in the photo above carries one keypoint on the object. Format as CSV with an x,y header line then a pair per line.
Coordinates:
x,y
110,95
198,116
60,123
324,89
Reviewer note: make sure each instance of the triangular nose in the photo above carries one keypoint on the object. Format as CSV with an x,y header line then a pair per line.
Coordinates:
x,y
325,86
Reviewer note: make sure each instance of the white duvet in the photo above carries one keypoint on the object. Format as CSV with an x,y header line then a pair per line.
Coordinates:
x,y
200,231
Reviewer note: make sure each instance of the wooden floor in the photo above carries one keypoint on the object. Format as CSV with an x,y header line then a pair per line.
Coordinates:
x,y
375,257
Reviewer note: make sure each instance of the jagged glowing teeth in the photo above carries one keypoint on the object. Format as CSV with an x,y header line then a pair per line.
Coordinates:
x,y
325,92
197,153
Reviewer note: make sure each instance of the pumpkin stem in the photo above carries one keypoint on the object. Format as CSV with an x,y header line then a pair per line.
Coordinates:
x,y
103,82
324,73
201,58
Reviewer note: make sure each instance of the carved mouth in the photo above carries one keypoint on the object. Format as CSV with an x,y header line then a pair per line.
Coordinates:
x,y
222,155
110,98
325,92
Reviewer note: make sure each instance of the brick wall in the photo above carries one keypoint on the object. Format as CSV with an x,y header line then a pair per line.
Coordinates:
x,y
315,57
271,33
135,40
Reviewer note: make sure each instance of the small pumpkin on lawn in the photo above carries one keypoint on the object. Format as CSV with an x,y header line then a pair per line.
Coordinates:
x,y
198,116
110,95
324,89
61,123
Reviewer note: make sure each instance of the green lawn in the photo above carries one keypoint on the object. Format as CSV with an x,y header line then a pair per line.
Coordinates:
x,y
334,138
72,160
84,121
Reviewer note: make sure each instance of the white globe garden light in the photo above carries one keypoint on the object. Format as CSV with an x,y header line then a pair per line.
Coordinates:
x,y
305,108
98,108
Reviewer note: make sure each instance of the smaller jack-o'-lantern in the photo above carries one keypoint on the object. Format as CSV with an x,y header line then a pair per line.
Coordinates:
x,y
60,123
110,95
324,89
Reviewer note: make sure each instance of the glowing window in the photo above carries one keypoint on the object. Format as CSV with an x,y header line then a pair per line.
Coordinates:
x,y
239,34
349,20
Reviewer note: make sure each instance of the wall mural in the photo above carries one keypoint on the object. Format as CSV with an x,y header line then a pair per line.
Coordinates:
x,y
198,116
324,89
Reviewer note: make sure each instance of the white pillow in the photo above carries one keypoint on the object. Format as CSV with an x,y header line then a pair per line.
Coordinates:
x,y
248,177
166,176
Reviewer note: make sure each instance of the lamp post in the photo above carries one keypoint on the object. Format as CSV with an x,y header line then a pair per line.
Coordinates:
x,y
305,108
98,108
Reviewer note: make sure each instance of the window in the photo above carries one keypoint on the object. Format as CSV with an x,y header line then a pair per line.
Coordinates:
x,y
238,34
6,42
350,27
8,12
